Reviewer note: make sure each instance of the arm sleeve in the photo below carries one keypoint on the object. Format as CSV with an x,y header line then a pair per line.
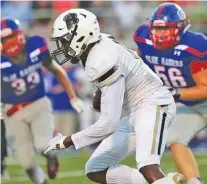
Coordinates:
x,y
198,66
111,106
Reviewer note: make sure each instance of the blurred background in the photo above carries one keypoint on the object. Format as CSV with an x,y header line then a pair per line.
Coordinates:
x,y
118,18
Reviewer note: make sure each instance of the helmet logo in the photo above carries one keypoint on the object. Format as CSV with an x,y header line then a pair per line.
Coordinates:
x,y
181,14
165,18
71,19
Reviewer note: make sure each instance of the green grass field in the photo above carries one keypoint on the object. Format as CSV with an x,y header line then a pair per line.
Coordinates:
x,y
72,169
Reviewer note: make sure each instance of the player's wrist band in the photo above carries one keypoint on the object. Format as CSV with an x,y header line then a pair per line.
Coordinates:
x,y
177,93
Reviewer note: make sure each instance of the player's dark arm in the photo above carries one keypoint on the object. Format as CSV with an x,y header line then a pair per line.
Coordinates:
x,y
61,75
199,74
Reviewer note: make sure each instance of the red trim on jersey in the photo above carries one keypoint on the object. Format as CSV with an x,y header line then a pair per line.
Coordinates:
x,y
3,23
44,48
136,38
194,52
160,10
197,66
205,53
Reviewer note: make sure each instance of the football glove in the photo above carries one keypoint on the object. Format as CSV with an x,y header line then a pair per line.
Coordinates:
x,y
175,91
77,104
96,102
58,139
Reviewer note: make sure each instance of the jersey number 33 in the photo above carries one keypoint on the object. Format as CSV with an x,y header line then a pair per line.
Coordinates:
x,y
22,85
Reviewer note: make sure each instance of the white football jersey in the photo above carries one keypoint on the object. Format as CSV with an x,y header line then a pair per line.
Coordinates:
x,y
141,82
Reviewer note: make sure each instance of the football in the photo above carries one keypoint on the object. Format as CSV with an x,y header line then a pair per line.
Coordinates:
x,y
96,103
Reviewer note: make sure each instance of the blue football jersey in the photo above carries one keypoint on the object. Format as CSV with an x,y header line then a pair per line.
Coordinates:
x,y
22,83
175,65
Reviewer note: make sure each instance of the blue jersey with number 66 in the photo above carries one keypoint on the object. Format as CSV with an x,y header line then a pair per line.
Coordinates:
x,y
175,66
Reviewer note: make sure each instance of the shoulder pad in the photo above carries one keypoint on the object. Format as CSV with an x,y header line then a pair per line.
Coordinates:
x,y
98,68
36,45
5,65
102,72
102,65
5,62
141,35
101,59
194,44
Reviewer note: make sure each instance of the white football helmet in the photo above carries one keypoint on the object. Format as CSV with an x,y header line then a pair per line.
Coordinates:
x,y
73,31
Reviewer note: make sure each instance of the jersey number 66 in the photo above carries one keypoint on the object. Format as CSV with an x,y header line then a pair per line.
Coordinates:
x,y
170,77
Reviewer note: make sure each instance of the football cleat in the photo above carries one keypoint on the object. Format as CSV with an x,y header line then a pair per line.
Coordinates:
x,y
52,166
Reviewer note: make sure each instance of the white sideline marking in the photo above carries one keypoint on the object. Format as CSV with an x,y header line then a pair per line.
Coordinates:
x,y
67,174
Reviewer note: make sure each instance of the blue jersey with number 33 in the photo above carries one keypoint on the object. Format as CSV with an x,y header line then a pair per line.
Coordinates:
x,y
22,83
174,66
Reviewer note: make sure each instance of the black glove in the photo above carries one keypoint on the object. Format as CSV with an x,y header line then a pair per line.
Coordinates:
x,y
96,102
175,92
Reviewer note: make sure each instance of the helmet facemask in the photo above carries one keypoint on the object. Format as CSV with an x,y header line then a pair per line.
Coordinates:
x,y
167,25
166,35
64,52
13,44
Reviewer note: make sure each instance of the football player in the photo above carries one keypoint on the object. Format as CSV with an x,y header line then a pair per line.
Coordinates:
x,y
28,111
178,56
124,80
